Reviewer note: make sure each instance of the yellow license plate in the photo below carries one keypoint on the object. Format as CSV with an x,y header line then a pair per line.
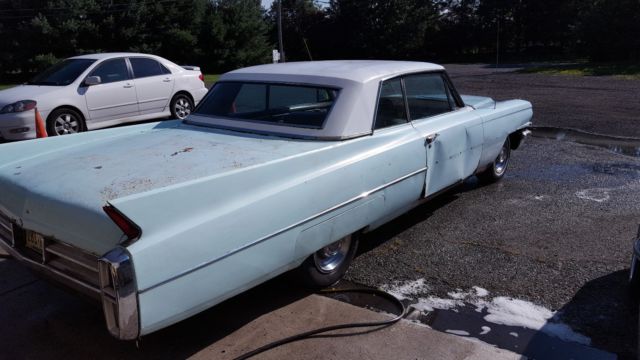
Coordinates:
x,y
34,242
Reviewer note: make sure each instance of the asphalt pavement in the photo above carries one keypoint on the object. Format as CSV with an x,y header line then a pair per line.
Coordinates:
x,y
556,231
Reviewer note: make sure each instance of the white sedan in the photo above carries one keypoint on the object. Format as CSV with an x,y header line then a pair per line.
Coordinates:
x,y
94,91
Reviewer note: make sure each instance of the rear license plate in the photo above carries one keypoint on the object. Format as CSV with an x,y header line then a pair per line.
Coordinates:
x,y
34,242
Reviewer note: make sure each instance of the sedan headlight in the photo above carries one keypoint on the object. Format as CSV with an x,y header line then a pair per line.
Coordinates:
x,y
19,106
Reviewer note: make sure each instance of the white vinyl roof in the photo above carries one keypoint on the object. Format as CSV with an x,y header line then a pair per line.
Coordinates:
x,y
355,70
354,110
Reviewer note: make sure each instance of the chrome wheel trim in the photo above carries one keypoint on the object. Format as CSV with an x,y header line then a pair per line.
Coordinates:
x,y
632,269
66,123
500,164
330,257
182,108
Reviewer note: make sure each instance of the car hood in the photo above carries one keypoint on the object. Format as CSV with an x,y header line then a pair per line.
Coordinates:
x,y
25,92
58,186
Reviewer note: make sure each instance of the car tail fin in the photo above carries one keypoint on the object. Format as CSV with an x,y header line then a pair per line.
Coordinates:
x,y
128,227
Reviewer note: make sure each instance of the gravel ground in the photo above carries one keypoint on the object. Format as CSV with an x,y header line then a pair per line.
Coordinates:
x,y
602,104
556,231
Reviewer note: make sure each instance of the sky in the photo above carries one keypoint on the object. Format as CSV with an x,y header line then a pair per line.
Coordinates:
x,y
266,3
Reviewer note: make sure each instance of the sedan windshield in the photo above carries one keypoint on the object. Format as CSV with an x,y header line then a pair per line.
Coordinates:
x,y
62,73
280,104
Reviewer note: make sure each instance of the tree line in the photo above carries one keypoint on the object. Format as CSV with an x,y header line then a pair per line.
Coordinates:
x,y
220,35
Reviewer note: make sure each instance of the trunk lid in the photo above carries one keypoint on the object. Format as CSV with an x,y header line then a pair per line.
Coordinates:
x,y
59,187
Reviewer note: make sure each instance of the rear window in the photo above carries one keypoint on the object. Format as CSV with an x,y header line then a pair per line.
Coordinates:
x,y
144,67
281,104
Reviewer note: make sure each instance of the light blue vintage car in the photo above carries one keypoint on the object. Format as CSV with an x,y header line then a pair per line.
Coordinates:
x,y
281,166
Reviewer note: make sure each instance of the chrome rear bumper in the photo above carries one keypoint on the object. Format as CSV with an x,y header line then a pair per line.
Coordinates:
x,y
109,279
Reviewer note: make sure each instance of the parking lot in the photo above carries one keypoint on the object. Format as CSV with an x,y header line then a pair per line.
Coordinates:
x,y
556,232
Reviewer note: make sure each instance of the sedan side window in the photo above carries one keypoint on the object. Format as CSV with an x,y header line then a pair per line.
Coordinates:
x,y
112,71
144,67
427,95
391,109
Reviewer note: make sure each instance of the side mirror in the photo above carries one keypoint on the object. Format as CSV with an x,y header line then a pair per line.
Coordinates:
x,y
92,80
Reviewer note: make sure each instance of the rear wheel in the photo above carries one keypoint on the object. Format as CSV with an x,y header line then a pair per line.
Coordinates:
x,y
64,121
498,167
329,264
181,106
634,275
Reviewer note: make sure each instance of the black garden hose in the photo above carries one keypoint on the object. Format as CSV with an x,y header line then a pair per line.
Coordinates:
x,y
311,333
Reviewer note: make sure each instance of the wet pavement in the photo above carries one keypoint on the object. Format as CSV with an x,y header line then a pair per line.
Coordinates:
x,y
556,231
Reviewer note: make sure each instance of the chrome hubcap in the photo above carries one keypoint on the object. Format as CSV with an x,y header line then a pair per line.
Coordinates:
x,y
66,124
500,164
330,257
182,108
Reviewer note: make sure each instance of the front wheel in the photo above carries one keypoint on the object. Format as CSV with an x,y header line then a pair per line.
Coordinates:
x,y
329,264
498,167
181,106
64,122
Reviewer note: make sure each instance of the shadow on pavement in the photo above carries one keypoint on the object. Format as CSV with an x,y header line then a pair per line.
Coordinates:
x,y
604,311
41,321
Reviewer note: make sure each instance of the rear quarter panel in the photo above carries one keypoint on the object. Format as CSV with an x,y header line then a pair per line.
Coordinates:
x,y
210,239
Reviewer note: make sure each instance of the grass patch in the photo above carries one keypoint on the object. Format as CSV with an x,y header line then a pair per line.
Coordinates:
x,y
211,78
6,86
622,70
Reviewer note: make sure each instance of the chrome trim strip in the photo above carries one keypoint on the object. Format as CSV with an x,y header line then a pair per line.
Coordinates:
x,y
49,270
6,229
267,237
57,249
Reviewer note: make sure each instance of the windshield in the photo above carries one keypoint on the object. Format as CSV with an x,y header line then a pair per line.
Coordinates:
x,y
280,104
62,73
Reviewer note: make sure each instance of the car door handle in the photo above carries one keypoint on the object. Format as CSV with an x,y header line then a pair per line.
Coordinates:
x,y
431,138
166,80
127,85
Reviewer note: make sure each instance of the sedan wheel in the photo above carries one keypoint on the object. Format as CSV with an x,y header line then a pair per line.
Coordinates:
x,y
64,122
329,264
181,106
634,270
498,168
331,257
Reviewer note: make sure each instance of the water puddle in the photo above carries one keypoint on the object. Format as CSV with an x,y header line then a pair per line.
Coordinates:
x,y
516,325
618,145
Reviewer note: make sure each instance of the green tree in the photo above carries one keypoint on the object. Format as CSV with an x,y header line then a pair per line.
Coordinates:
x,y
393,29
235,35
608,30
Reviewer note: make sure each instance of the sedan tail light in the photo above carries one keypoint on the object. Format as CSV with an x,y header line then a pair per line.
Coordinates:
x,y
128,227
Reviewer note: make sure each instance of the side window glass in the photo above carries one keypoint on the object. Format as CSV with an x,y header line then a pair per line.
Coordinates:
x,y
112,71
427,95
143,67
391,110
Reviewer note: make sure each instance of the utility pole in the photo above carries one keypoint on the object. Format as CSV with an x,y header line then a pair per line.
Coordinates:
x,y
280,44
498,43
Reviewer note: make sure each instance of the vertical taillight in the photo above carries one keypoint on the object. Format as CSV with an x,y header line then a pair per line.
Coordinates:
x,y
201,77
128,227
